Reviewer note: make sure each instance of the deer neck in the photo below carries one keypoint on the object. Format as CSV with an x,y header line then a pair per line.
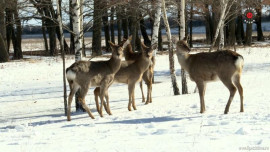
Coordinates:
x,y
183,60
115,64
143,63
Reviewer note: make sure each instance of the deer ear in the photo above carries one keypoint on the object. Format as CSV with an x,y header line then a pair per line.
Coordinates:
x,y
112,45
174,40
154,46
144,46
186,38
127,42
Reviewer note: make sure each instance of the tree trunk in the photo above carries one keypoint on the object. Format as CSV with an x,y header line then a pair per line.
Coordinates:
x,y
133,23
248,38
239,30
119,24
156,26
4,57
78,41
171,57
59,19
260,36
124,23
231,29
190,25
112,25
181,37
17,35
9,27
160,45
96,41
222,37
208,25
138,43
220,23
106,29
147,41
72,42
44,36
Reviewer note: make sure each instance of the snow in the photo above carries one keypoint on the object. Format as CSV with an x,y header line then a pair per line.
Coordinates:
x,y
32,115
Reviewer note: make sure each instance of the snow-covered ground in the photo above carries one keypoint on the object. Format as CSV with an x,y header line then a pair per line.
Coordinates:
x,y
32,115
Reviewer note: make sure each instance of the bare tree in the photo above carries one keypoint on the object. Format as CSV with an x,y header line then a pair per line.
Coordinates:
x,y
97,25
171,57
59,19
3,47
182,32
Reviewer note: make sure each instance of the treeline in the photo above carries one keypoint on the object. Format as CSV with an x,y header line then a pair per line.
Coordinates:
x,y
118,19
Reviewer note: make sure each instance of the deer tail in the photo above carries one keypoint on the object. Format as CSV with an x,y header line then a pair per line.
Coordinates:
x,y
239,62
71,75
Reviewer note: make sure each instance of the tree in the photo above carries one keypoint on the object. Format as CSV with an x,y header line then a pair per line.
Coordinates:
x,y
171,57
4,57
59,19
77,39
258,9
112,24
181,37
97,25
16,29
156,25
106,27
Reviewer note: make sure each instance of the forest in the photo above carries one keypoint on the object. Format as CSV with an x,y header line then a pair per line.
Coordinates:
x,y
101,53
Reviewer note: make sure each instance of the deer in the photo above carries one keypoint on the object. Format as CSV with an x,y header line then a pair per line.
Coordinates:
x,y
130,74
83,74
131,56
203,67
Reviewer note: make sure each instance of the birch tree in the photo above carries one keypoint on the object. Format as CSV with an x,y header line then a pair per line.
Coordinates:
x,y
171,57
182,29
156,25
220,26
59,19
76,22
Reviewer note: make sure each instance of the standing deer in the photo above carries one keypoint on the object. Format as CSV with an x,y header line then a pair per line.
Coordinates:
x,y
83,74
131,56
130,74
203,67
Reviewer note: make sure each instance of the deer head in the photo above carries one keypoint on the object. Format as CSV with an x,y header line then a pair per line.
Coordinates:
x,y
148,51
182,46
117,50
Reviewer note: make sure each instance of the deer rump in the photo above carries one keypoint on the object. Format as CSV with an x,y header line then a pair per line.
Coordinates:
x,y
211,66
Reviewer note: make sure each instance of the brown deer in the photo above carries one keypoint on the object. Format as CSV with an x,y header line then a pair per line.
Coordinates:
x,y
203,67
131,56
130,74
83,74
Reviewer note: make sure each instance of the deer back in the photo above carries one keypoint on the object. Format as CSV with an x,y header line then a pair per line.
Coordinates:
x,y
208,66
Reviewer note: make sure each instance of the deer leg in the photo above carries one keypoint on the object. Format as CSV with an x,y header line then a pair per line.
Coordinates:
x,y
70,97
82,94
133,101
82,101
131,87
97,94
201,86
103,90
150,84
141,86
228,83
240,90
108,109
